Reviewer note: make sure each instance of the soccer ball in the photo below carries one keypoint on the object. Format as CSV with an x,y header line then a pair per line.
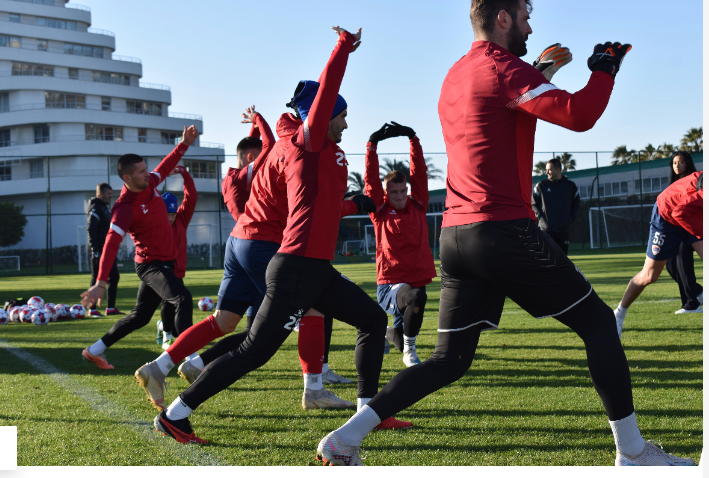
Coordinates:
x,y
4,317
205,304
51,311
14,314
35,302
26,315
77,311
40,317
62,311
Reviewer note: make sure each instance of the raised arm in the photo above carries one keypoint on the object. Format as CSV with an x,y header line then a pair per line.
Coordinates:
x,y
418,171
372,183
259,128
189,202
167,165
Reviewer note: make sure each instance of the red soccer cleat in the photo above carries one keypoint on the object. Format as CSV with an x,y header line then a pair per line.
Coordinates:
x,y
99,360
392,423
180,430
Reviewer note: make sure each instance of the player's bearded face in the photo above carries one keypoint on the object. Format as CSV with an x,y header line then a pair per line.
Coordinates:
x,y
517,39
337,125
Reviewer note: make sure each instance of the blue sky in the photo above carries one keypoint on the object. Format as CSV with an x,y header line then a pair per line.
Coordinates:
x,y
219,56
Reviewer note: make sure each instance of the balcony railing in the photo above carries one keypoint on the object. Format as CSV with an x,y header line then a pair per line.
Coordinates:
x,y
61,50
66,76
154,86
68,5
105,137
83,106
98,31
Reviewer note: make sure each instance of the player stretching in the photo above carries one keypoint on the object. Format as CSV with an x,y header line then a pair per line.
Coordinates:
x,y
491,246
404,260
141,212
300,275
676,219
179,220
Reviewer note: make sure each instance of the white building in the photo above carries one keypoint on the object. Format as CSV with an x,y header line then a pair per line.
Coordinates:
x,y
69,107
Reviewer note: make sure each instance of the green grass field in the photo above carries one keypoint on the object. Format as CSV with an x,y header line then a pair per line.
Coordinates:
x,y
527,399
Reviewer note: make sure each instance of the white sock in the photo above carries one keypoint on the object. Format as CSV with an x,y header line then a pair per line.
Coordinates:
x,y
353,432
620,312
313,381
98,348
628,439
361,402
196,361
178,410
409,343
166,336
165,363
325,367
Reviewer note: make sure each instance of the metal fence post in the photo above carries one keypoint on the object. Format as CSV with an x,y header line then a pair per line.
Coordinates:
x,y
108,170
219,208
49,219
598,188
642,222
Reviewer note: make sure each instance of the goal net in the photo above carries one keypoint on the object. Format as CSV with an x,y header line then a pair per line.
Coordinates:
x,y
619,226
9,263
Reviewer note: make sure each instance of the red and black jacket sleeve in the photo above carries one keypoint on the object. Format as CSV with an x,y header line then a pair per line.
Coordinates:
x,y
169,163
189,202
419,174
121,220
372,183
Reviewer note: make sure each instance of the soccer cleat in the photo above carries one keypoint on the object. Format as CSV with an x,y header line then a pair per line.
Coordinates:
x,y
314,399
410,358
332,452
652,455
392,423
99,360
387,346
113,311
153,382
188,371
180,430
158,337
700,298
94,313
698,310
330,377
166,345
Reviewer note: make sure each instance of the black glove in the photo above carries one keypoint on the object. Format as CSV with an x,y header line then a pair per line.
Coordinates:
x,y
380,134
364,203
398,130
608,57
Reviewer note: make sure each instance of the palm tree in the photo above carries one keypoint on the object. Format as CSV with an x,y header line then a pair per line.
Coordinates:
x,y
693,140
433,172
649,153
567,164
390,165
356,182
540,168
621,155
666,149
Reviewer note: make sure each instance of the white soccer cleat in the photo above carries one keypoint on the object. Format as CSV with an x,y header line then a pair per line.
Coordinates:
x,y
332,452
698,310
188,371
153,382
700,298
652,455
314,399
330,377
410,358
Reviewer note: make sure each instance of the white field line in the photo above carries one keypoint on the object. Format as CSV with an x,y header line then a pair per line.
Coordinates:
x,y
113,410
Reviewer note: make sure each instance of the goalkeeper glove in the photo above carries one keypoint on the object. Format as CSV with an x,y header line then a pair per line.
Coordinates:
x,y
551,59
399,130
364,203
379,135
608,57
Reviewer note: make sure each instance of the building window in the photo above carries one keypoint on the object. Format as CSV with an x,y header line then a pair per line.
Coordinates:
x,y
4,102
14,18
113,78
105,103
4,138
83,50
42,45
5,171
103,133
144,108
41,133
26,69
652,185
73,73
63,100
170,138
612,189
202,169
142,135
52,23
13,42
36,168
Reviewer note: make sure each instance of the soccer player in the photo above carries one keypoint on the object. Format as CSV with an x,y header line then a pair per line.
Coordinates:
x,y
300,276
491,247
676,219
179,220
141,212
404,259
99,222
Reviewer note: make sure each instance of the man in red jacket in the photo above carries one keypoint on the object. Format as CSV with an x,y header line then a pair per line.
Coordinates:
x,y
676,219
491,246
141,212
404,259
179,220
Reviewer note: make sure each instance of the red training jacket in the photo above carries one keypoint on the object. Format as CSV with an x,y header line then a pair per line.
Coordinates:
x,y
316,169
682,205
489,105
144,216
184,216
236,186
403,252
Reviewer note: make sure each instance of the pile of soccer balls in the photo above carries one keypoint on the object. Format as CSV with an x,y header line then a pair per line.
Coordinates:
x,y
38,313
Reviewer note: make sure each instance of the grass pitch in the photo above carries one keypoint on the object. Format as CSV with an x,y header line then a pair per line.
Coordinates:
x,y
527,399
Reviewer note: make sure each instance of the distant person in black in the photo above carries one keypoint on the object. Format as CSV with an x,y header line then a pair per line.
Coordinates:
x,y
556,202
98,220
681,267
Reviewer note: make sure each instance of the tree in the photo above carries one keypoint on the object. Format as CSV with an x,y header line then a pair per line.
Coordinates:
x,y
356,182
540,168
388,165
433,172
666,149
567,164
693,140
649,153
12,224
621,155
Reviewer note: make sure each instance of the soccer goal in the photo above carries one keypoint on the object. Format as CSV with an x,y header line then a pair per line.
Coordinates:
x,y
353,247
9,263
619,226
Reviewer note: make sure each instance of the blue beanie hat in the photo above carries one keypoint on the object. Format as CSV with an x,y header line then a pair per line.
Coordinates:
x,y
170,202
305,95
